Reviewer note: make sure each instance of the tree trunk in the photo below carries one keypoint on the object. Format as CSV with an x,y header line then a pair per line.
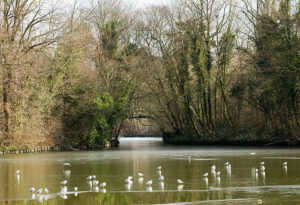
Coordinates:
x,y
7,77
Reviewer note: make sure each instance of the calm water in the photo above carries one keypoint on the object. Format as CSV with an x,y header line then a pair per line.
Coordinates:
x,y
241,185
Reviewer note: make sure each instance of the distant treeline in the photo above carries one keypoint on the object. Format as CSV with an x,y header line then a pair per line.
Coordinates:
x,y
202,71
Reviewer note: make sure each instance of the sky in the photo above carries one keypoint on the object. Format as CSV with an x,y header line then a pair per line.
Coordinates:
x,y
135,3
143,3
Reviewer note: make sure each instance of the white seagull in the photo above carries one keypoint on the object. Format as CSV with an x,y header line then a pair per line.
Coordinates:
x,y
161,178
67,164
205,174
128,180
39,191
95,182
149,183
46,191
64,182
180,181
32,189
63,189
102,185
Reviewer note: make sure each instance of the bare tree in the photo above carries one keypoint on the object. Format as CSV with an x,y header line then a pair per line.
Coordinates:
x,y
26,26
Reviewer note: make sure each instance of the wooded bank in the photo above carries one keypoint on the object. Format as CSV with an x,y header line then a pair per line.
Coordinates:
x,y
200,70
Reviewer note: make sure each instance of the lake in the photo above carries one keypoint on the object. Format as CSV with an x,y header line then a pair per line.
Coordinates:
x,y
244,181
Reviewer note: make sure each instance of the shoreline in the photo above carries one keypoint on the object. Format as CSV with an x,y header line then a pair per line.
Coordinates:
x,y
169,139
228,141
56,148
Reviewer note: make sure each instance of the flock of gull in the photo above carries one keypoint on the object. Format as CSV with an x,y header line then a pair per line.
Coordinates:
x,y
96,186
43,193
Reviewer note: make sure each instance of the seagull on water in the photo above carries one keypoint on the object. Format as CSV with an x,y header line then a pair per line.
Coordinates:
x,y
180,181
89,178
159,167
63,189
46,191
39,191
75,188
128,180
262,163
140,174
284,163
213,167
64,182
17,172
95,182
205,174
161,178
102,185
149,183
67,164
218,174
32,189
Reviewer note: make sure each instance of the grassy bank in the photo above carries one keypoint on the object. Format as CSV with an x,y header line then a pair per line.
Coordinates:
x,y
26,149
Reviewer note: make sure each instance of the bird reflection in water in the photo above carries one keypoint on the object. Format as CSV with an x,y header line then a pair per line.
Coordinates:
x,y
141,180
162,186
128,186
149,188
180,187
64,196
67,173
218,181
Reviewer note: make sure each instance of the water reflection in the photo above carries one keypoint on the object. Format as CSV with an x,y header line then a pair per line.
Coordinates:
x,y
128,186
141,180
17,179
205,180
285,170
180,187
149,188
243,178
64,196
218,181
67,173
162,186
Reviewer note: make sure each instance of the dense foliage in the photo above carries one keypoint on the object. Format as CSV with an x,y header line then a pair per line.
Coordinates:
x,y
201,71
